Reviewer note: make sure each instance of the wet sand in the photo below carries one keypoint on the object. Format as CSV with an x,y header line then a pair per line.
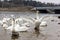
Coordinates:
x,y
51,32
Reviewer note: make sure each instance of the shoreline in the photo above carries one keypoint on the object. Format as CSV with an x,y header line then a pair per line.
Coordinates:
x,y
17,9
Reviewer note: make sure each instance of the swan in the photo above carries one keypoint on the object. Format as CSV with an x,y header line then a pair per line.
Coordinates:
x,y
12,27
26,24
5,19
23,21
4,22
4,25
16,27
23,26
38,21
19,20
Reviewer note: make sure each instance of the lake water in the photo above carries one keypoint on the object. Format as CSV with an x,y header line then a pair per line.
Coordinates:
x,y
51,32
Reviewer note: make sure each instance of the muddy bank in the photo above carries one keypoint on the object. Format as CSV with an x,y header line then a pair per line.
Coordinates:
x,y
17,9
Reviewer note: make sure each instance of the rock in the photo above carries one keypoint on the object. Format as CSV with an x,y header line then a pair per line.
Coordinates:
x,y
58,23
59,17
52,20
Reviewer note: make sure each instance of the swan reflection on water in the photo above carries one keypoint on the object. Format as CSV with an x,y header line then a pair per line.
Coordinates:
x,y
15,35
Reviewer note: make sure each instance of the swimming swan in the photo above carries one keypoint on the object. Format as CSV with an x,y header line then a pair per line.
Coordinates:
x,y
38,21
16,27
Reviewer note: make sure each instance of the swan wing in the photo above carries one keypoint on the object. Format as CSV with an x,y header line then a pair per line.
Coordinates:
x,y
7,19
43,24
41,19
18,28
20,19
10,28
25,23
28,20
23,28
31,18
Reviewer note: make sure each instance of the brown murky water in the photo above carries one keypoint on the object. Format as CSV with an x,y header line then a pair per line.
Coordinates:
x,y
51,32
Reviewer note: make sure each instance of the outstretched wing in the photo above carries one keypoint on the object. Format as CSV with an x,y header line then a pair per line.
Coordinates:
x,y
43,17
28,20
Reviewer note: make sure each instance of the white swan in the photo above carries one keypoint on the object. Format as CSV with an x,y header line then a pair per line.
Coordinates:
x,y
5,19
4,22
19,21
23,21
42,23
38,21
4,25
16,27
26,24
23,26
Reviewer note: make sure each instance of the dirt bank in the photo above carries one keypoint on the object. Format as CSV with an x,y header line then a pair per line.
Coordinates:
x,y
17,9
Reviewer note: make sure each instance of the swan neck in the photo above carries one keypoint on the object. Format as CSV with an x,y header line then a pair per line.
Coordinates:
x,y
37,15
13,24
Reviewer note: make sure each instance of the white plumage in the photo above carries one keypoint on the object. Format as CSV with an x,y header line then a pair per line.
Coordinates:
x,y
43,24
5,26
16,27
